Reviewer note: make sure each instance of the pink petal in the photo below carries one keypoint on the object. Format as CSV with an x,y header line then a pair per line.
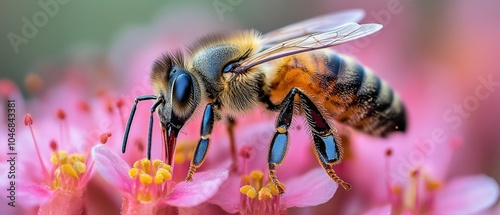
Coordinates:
x,y
203,187
467,195
34,194
111,167
383,210
228,196
311,189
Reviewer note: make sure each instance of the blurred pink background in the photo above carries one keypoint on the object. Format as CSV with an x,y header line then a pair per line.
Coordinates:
x,y
440,56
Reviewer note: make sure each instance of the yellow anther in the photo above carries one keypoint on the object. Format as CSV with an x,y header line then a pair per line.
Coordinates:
x,y
145,164
132,173
54,159
76,158
179,158
265,193
256,175
69,170
248,191
80,167
166,167
272,188
59,157
165,173
156,163
137,164
159,178
145,178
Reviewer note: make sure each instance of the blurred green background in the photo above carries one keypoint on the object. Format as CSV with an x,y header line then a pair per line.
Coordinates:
x,y
94,24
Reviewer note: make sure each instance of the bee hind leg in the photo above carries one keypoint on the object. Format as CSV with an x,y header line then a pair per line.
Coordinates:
x,y
201,149
279,142
327,147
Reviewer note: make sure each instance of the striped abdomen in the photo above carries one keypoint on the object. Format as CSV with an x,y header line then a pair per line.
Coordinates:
x,y
350,93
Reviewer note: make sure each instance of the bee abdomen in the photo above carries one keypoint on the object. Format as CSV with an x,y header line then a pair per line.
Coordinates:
x,y
363,100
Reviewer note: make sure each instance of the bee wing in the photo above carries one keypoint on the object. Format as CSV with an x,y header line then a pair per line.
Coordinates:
x,y
336,36
311,26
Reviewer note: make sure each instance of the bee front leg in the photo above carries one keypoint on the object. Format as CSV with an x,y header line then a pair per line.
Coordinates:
x,y
201,149
279,143
328,148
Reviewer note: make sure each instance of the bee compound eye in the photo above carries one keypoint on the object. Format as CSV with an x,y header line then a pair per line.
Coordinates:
x,y
229,68
182,88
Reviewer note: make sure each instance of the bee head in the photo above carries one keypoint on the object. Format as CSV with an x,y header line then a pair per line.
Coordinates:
x,y
214,58
177,87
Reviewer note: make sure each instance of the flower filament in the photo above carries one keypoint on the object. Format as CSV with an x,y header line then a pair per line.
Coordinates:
x,y
259,197
150,179
68,170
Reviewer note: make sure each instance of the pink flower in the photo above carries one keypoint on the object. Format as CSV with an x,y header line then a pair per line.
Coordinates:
x,y
147,186
249,191
56,183
425,190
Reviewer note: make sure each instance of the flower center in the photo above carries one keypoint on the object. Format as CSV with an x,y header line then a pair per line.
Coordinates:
x,y
68,170
150,179
259,197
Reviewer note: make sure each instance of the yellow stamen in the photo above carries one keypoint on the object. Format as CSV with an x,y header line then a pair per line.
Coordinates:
x,y
152,175
132,173
137,164
156,163
249,191
274,190
146,165
259,197
253,186
265,193
69,170
80,167
77,157
60,157
256,175
145,178
167,175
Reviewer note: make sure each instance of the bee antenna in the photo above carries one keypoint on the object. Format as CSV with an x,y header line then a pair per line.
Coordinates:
x,y
132,113
150,131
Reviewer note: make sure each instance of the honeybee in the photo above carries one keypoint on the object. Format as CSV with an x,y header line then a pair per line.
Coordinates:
x,y
285,70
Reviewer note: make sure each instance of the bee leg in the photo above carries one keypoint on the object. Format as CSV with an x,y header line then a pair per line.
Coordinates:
x,y
328,150
131,117
201,149
231,122
279,143
150,129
